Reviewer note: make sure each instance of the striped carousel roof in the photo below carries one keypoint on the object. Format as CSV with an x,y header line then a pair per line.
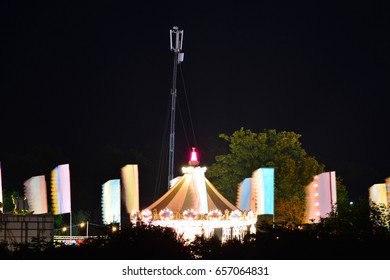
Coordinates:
x,y
192,191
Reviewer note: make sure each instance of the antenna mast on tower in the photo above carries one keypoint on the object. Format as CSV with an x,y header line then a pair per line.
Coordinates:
x,y
176,39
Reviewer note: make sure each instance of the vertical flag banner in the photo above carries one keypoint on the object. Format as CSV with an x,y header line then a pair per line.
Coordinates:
x,y
35,192
377,193
1,190
130,187
111,202
321,197
262,189
60,189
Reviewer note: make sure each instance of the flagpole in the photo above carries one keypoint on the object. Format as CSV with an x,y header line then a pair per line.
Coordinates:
x,y
1,193
70,231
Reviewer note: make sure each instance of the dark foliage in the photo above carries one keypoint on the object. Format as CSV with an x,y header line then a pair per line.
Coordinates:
x,y
328,240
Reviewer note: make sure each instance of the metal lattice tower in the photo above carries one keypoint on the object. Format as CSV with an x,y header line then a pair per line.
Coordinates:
x,y
176,40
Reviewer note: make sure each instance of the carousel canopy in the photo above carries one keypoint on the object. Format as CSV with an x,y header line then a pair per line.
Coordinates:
x,y
192,191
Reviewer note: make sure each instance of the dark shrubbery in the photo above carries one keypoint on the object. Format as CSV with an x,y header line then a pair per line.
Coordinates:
x,y
340,236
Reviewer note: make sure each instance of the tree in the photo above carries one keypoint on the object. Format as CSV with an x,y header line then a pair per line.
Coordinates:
x,y
379,215
343,206
8,204
283,151
79,218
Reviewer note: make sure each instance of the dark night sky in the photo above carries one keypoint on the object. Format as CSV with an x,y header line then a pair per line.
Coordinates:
x,y
89,84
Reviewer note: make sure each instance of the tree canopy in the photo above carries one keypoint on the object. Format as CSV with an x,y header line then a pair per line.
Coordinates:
x,y
249,151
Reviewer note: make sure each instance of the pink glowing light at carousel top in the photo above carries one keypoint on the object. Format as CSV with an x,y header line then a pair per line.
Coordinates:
x,y
193,158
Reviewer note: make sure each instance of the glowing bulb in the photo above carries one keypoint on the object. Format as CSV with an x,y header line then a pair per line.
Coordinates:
x,y
194,158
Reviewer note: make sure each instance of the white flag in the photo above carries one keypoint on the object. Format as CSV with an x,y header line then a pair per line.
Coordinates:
x,y
35,192
111,202
60,189
130,187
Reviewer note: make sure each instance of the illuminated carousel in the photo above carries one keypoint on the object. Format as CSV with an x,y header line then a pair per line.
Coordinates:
x,y
193,206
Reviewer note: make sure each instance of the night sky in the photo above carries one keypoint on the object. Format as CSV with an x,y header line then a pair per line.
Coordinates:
x,y
88,83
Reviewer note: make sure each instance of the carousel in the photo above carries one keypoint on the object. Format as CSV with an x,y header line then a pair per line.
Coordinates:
x,y
193,206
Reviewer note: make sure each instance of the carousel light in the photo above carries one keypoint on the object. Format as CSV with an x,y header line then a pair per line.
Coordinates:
x,y
190,214
214,214
166,214
250,215
235,215
194,158
187,169
133,215
146,215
